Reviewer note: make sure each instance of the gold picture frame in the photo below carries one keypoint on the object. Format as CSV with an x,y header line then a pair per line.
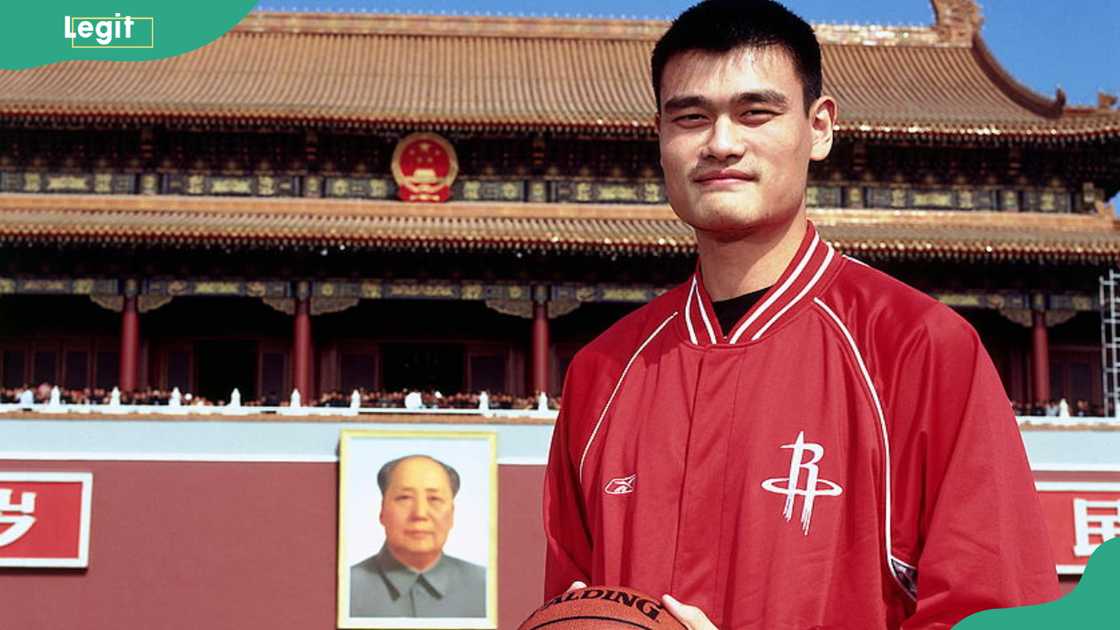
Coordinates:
x,y
381,535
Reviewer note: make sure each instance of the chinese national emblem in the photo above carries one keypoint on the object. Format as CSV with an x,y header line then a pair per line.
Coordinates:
x,y
791,485
424,166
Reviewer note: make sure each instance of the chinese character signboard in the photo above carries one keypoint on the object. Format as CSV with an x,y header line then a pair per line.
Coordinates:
x,y
1081,516
44,519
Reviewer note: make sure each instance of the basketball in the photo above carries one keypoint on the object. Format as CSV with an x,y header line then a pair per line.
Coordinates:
x,y
602,608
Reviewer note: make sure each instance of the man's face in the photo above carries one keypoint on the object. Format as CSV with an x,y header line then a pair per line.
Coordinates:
x,y
417,509
735,139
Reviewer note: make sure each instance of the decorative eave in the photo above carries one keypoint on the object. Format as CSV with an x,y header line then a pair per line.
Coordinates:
x,y
397,73
584,229
465,26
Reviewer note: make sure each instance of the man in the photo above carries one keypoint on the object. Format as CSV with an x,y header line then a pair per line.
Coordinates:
x,y
411,576
789,439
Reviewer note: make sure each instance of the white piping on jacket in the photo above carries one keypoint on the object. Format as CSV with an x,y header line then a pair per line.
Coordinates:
x,y
618,385
886,441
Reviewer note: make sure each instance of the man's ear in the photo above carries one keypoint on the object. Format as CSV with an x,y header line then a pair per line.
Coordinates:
x,y
822,119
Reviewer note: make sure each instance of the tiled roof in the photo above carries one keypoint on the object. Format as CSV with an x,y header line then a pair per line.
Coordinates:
x,y
520,73
554,228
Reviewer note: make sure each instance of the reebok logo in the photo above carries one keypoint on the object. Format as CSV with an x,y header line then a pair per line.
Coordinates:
x,y
621,485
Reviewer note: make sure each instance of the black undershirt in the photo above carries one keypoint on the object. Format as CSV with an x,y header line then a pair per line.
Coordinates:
x,y
730,311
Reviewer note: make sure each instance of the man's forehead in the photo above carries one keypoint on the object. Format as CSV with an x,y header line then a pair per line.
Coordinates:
x,y
419,472
747,68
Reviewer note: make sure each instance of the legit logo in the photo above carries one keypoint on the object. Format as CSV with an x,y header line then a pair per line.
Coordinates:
x,y
110,32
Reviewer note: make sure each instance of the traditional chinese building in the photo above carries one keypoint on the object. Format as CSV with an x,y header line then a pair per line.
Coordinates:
x,y
235,216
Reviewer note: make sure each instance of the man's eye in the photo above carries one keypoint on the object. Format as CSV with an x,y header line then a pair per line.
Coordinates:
x,y
436,500
689,118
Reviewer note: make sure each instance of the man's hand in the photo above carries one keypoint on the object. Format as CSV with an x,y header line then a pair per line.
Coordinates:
x,y
690,616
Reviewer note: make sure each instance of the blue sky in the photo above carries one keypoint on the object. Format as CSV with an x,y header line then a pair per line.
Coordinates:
x,y
1075,44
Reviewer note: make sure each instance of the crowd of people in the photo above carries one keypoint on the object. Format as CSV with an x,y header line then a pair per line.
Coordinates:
x,y
41,394
1057,408
428,399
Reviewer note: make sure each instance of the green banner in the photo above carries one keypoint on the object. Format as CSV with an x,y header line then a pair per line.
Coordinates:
x,y
1092,604
49,31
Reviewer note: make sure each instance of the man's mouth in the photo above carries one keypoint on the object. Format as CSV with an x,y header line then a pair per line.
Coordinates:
x,y
726,176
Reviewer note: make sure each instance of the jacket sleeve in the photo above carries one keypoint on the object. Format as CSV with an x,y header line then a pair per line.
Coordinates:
x,y
568,554
966,515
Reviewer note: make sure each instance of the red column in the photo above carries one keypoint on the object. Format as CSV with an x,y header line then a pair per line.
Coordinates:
x,y
1040,357
130,346
301,350
540,345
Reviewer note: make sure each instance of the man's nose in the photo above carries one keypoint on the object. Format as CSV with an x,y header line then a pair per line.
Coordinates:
x,y
724,140
421,509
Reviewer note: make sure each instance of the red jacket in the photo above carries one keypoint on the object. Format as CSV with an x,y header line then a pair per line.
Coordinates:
x,y
677,444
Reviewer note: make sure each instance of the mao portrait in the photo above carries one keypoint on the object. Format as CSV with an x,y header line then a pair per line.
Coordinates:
x,y
416,523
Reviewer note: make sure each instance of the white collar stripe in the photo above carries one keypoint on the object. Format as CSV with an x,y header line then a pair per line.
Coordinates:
x,y
800,295
688,311
778,293
703,312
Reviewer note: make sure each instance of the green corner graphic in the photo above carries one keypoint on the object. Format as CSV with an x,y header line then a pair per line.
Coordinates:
x,y
50,31
1092,604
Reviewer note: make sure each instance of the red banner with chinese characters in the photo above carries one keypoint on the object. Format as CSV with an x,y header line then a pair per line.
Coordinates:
x,y
45,519
1080,516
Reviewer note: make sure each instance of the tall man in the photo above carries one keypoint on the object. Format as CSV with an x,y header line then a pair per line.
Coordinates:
x,y
789,439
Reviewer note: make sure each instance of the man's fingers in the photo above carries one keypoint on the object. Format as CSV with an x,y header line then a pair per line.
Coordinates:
x,y
575,586
690,616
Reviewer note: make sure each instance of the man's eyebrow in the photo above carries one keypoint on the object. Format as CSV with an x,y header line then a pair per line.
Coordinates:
x,y
684,102
760,97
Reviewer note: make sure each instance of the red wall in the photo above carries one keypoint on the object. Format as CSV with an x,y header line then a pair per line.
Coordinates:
x,y
243,545
232,545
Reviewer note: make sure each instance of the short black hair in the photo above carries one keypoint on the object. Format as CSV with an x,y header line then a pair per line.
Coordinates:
x,y
720,26
386,472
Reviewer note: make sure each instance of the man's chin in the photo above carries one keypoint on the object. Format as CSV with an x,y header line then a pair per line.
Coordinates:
x,y
730,220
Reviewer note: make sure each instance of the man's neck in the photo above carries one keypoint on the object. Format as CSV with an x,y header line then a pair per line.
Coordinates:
x,y
751,262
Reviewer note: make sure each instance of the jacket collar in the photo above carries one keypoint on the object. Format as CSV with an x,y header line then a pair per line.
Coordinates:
x,y
401,578
804,277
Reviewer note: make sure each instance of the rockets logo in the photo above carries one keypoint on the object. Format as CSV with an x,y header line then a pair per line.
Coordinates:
x,y
621,485
792,484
